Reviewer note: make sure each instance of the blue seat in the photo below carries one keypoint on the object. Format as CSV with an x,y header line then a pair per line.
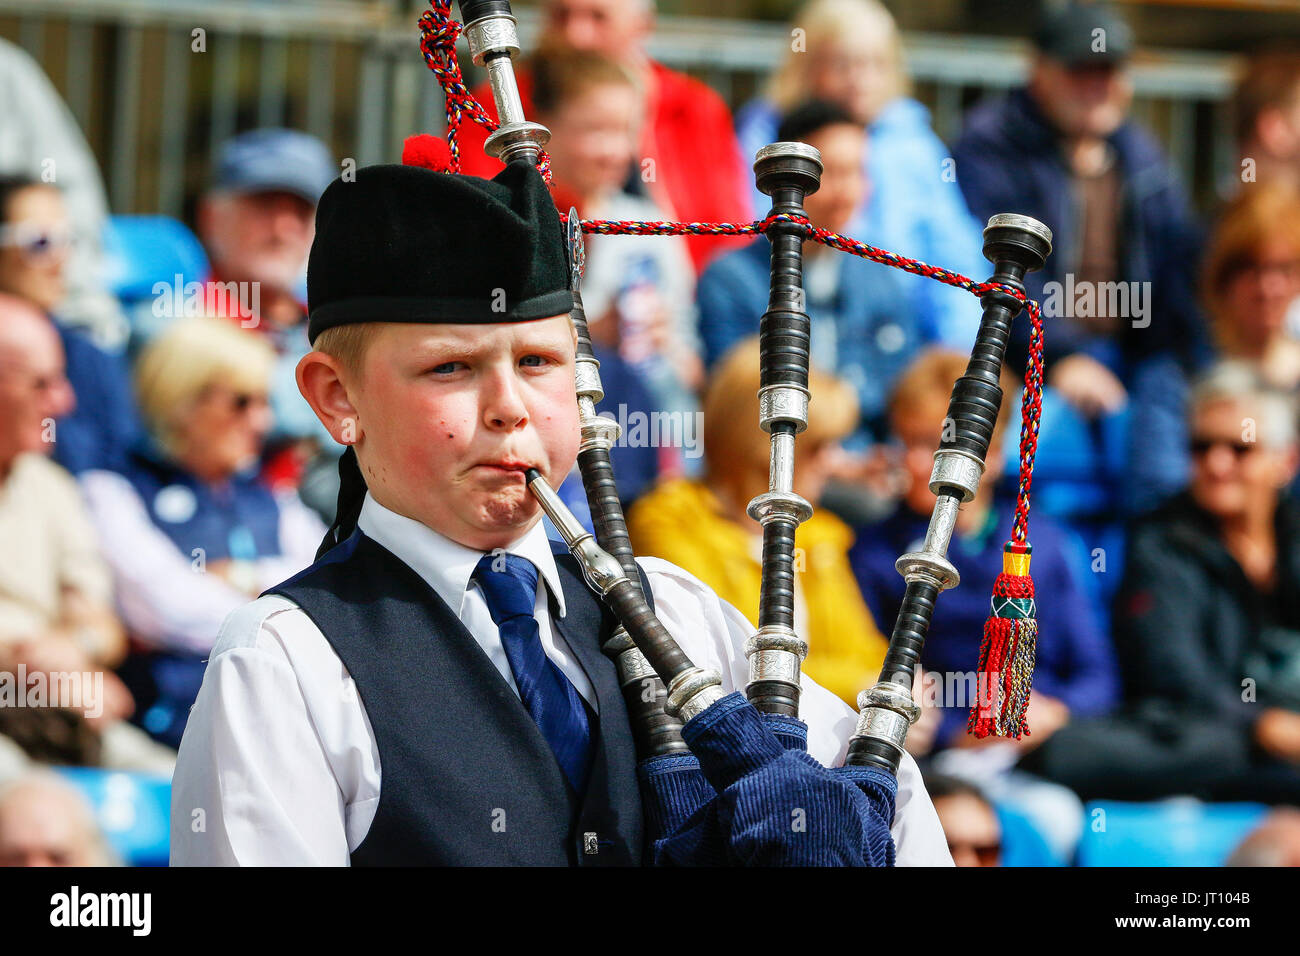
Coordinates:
x,y
143,250
133,810
1022,844
1177,832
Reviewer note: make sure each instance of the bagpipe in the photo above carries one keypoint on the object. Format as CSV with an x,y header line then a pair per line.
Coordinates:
x,y
726,778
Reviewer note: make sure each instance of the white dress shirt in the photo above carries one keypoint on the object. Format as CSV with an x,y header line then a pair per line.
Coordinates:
x,y
279,765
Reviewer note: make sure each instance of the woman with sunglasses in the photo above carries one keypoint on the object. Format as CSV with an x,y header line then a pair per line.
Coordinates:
x,y
36,255
191,531
1207,623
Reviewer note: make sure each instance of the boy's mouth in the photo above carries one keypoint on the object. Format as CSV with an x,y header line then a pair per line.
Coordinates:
x,y
507,466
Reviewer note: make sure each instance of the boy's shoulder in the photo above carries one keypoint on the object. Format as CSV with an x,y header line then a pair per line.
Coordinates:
x,y
261,625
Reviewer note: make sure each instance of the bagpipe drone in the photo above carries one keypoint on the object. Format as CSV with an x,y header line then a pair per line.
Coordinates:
x,y
726,778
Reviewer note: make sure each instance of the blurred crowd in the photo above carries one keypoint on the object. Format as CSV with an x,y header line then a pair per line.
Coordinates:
x,y
158,468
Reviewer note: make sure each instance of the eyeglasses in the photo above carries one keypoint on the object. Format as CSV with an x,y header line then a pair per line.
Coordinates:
x,y
34,241
1201,446
237,402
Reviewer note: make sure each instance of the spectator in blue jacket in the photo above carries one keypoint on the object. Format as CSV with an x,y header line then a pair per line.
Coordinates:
x,y
35,243
849,52
1119,285
862,324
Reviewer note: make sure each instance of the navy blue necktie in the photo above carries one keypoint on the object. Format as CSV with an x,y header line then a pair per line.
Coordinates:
x,y
509,586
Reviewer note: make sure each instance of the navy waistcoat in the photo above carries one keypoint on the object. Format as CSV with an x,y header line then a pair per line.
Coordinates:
x,y
467,777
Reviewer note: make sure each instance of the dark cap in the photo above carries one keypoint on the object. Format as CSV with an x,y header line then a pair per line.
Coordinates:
x,y
408,244
275,160
413,244
1082,34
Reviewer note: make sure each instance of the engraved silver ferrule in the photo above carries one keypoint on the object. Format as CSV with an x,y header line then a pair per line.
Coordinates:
x,y
598,431
692,692
930,565
775,653
497,33
586,379
630,664
885,713
780,469
493,43
783,403
956,468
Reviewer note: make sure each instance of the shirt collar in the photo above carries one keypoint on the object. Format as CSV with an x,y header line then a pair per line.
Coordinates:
x,y
445,565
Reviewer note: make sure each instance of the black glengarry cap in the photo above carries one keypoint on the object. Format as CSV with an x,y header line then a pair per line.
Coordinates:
x,y
409,244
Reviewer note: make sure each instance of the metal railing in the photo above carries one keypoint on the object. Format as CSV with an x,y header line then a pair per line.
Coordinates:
x,y
157,85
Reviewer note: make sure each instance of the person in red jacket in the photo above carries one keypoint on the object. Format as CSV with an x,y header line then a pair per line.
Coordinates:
x,y
689,161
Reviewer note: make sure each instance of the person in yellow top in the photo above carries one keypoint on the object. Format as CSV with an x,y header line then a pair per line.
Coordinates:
x,y
701,524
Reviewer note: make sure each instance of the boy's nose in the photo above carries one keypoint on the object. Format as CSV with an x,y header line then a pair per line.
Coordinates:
x,y
503,406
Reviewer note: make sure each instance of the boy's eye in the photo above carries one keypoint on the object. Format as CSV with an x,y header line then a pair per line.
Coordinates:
x,y
446,368
533,361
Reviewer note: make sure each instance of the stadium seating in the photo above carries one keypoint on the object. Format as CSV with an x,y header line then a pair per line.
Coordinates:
x,y
132,809
141,251
1179,832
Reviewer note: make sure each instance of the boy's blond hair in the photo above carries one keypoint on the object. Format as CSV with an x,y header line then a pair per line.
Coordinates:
x,y
347,344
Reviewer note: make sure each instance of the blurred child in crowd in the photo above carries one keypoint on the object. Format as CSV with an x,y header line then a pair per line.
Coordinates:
x,y
969,821
689,163
190,530
862,327
638,291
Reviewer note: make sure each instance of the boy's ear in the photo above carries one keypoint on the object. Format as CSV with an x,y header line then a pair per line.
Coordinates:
x,y
321,382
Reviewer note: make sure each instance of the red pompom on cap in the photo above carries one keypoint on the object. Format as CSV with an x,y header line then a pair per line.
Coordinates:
x,y
430,152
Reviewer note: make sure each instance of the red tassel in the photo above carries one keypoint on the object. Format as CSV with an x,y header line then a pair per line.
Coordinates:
x,y
1006,666
430,152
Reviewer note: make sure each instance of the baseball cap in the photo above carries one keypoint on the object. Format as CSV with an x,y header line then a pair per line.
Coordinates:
x,y
1079,34
274,160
